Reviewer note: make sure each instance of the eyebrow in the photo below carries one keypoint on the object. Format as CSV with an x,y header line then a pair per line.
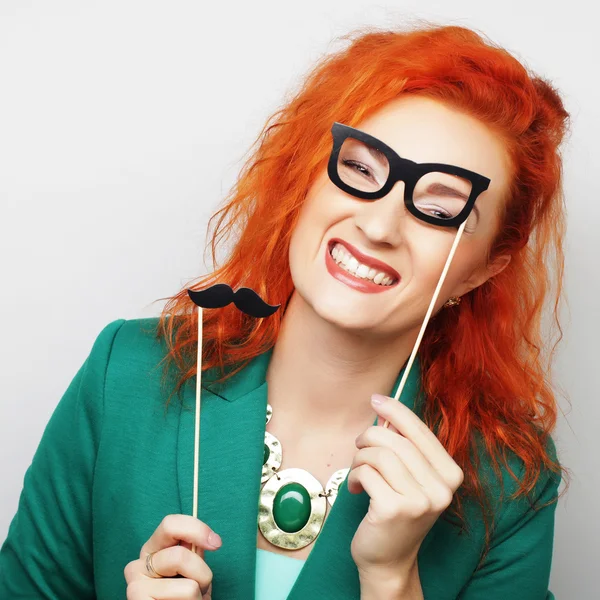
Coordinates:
x,y
440,188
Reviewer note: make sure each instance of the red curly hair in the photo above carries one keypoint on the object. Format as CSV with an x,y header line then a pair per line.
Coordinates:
x,y
492,342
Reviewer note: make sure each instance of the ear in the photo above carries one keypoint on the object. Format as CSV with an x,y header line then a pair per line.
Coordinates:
x,y
480,275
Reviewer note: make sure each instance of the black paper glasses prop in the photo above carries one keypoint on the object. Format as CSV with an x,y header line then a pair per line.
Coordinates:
x,y
437,193
217,296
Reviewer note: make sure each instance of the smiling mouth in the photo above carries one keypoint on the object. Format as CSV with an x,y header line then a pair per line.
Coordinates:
x,y
350,263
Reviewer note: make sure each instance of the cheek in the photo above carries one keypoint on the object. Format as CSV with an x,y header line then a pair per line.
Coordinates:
x,y
429,251
296,253
305,241
465,262
322,209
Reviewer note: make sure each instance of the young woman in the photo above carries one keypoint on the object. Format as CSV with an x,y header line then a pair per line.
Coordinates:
x,y
397,150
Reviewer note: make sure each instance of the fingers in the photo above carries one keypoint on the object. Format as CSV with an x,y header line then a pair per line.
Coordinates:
x,y
178,560
164,589
169,562
418,466
389,466
410,426
386,503
178,573
436,495
384,500
185,528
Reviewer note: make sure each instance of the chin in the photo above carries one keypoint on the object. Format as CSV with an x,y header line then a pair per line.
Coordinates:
x,y
345,317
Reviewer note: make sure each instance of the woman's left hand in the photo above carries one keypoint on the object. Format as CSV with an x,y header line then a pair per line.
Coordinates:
x,y
410,479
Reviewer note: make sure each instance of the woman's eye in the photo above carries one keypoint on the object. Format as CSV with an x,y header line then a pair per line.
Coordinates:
x,y
440,214
358,167
435,211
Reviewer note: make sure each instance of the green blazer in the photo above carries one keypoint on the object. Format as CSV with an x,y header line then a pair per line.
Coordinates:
x,y
113,462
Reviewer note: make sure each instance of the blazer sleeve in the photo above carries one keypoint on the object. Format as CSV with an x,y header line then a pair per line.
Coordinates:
x,y
519,560
48,551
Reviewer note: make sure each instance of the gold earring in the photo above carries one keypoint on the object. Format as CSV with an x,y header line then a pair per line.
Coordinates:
x,y
453,301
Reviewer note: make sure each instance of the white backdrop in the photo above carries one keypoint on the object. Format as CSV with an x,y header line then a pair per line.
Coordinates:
x,y
122,125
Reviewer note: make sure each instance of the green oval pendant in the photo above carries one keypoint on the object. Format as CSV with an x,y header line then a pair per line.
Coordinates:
x,y
291,507
266,454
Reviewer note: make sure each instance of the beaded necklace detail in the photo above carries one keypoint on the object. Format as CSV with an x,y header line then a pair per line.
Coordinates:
x,y
293,503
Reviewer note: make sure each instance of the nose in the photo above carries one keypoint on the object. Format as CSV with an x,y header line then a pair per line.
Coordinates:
x,y
382,220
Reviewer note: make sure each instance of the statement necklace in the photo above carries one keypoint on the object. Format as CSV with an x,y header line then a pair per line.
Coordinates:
x,y
293,503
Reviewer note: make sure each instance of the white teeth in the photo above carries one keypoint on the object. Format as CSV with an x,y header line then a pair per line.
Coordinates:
x,y
362,271
349,263
352,265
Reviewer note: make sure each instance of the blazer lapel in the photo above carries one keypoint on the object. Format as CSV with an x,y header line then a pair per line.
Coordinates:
x,y
232,426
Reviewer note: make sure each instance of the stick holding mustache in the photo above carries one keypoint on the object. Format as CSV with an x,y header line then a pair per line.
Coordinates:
x,y
218,296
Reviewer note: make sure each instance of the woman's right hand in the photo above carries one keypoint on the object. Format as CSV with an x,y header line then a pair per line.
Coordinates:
x,y
185,575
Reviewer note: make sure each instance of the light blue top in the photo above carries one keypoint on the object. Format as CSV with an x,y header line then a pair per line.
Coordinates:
x,y
275,574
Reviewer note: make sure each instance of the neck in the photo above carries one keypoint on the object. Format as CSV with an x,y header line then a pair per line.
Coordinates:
x,y
325,375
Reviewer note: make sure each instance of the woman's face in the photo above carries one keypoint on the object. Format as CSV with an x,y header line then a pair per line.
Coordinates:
x,y
411,252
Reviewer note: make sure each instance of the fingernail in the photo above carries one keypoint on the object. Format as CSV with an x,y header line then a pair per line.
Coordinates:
x,y
377,399
214,539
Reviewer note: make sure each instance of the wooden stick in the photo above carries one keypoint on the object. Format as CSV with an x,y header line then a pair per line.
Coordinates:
x,y
428,315
197,426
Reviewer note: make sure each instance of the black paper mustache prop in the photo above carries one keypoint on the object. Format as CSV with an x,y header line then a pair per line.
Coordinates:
x,y
245,299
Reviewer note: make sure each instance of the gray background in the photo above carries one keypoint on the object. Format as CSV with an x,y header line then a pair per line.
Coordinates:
x,y
122,126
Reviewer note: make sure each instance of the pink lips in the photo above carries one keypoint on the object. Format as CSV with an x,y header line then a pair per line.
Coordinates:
x,y
363,285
